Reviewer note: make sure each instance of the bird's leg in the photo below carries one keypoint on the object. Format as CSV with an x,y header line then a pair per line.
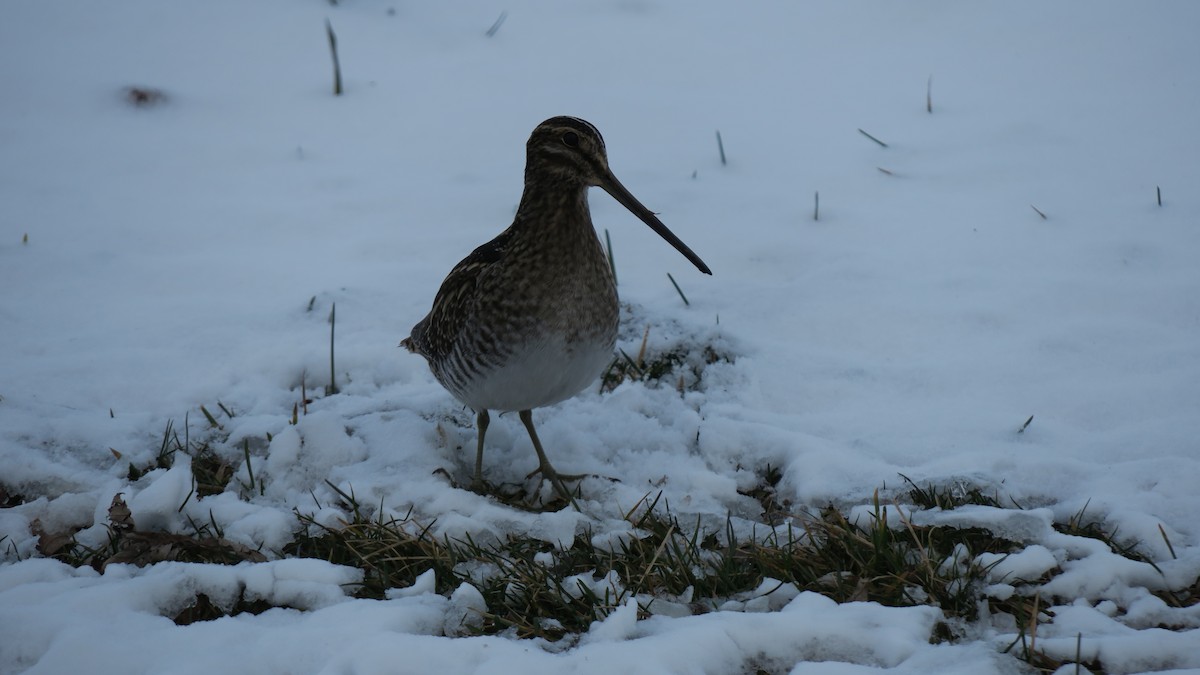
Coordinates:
x,y
544,467
481,424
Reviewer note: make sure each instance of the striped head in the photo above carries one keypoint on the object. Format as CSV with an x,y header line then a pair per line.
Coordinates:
x,y
568,150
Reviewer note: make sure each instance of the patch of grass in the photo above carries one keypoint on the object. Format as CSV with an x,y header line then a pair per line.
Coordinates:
x,y
530,593
1028,612
203,609
65,548
126,544
209,469
1188,596
527,584
683,366
534,589
148,548
211,473
164,459
774,512
948,497
391,552
896,566
1080,525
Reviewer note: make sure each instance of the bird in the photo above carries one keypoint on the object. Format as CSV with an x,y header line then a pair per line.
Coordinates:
x,y
529,319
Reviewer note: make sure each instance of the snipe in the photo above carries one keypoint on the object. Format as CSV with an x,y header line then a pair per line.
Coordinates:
x,y
530,318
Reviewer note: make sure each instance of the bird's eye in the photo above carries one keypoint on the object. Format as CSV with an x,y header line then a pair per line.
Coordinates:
x,y
571,139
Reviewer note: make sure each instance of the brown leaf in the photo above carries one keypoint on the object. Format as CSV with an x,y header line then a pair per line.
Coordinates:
x,y
147,548
49,544
119,514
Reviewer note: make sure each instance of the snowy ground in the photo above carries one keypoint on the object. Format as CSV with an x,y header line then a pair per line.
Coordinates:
x,y
189,252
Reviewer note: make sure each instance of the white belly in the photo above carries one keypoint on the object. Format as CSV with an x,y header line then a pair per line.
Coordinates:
x,y
542,373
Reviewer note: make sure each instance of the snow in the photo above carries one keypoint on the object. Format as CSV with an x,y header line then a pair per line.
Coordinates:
x,y
1028,564
190,252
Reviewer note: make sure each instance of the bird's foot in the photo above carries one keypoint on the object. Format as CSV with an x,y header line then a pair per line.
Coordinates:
x,y
481,487
445,473
556,480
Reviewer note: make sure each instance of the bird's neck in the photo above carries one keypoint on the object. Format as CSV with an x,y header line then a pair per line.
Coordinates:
x,y
554,203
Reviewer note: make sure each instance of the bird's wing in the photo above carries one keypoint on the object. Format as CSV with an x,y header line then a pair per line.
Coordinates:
x,y
434,336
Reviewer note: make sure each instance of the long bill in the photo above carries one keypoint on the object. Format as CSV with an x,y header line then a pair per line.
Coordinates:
x,y
613,187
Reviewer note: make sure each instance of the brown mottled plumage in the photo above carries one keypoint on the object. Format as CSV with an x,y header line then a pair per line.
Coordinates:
x,y
530,318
